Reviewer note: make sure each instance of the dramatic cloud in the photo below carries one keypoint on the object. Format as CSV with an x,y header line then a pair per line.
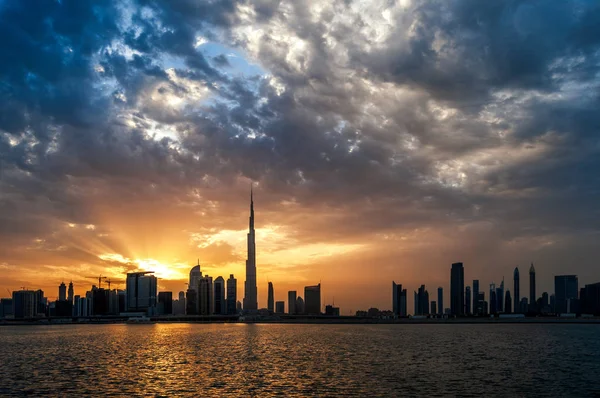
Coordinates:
x,y
386,140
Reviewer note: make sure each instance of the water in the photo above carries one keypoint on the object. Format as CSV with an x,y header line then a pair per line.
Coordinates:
x,y
300,360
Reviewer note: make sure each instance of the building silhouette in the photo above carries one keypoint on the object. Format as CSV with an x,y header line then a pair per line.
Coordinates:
x,y
292,302
165,303
206,296
280,307
312,299
231,295
476,303
566,289
250,290
141,291
507,302
440,301
532,296
191,301
330,310
62,292
300,305
70,294
493,303
219,297
590,299
468,300
23,304
433,308
195,275
500,297
398,300
270,298
457,289
421,301
517,289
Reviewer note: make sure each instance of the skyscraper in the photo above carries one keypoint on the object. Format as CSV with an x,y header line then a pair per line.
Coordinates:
x,y
141,291
507,302
165,303
566,289
71,293
532,296
250,296
23,302
271,299
422,301
279,307
398,300
292,302
62,292
440,301
517,290
468,300
195,275
457,289
476,304
500,297
231,295
312,299
219,297
206,305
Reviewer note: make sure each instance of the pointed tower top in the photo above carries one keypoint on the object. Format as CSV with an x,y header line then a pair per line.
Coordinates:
x,y
531,269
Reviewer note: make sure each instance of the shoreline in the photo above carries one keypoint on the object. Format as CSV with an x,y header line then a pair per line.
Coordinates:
x,y
308,321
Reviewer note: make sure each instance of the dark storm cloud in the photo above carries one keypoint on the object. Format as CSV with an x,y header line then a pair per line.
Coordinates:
x,y
463,112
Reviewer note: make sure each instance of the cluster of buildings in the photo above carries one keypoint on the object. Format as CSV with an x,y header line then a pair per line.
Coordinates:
x,y
204,296
208,297
568,298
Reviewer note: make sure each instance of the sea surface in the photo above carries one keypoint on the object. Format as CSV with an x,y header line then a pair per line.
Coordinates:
x,y
300,360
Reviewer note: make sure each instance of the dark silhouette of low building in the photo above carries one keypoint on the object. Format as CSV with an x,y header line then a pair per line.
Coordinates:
x,y
566,288
590,299
332,311
165,303
280,307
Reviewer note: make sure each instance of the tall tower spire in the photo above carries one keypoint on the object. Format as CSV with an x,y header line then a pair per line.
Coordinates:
x,y
250,290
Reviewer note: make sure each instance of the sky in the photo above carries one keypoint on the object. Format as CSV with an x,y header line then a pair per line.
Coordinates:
x,y
384,139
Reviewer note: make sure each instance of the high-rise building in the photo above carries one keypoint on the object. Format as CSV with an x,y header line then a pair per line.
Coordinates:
x,y
398,300
517,290
532,296
62,292
206,305
493,303
468,300
507,302
500,297
250,290
292,302
566,289
524,306
481,304
165,303
553,303
219,297
40,303
231,295
476,303
457,289
191,301
280,307
416,303
141,291
271,298
71,293
300,307
433,308
312,299
23,304
422,301
6,306
195,275
440,300
590,299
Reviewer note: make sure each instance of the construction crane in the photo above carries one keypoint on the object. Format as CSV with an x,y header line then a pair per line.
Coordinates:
x,y
99,279
109,281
